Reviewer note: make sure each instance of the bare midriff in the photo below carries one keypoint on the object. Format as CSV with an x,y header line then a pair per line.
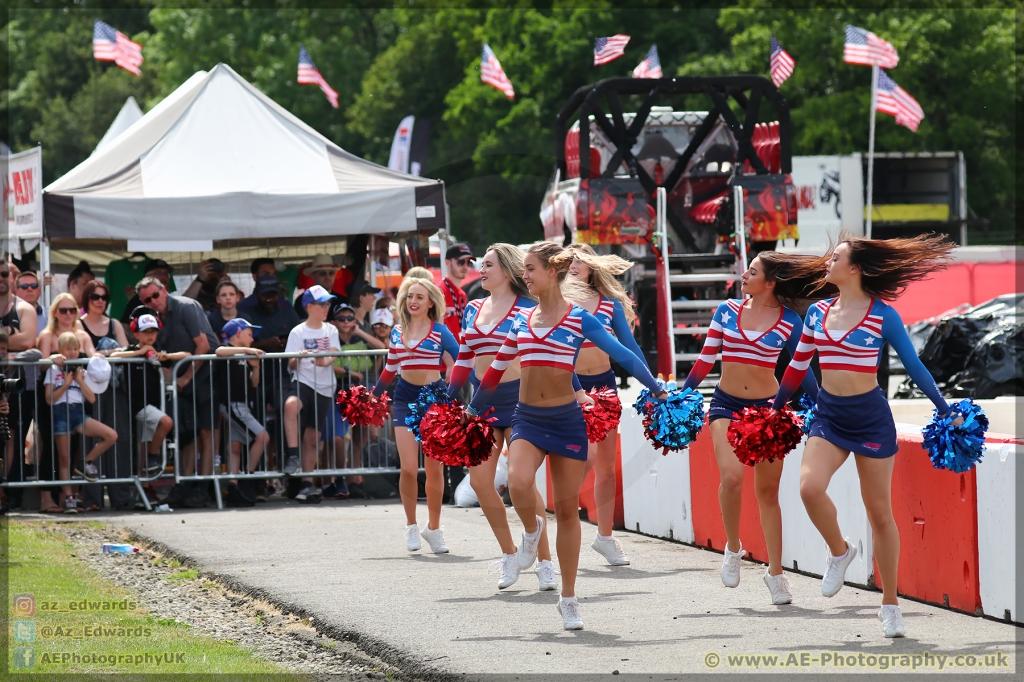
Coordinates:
x,y
749,382
591,361
844,382
420,377
546,386
482,362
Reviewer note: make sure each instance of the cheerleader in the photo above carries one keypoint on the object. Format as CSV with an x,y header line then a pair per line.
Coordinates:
x,y
548,419
851,413
608,302
751,333
416,348
485,324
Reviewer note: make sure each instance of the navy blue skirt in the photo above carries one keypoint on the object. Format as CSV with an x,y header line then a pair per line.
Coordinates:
x,y
503,400
724,405
862,424
558,430
406,393
604,380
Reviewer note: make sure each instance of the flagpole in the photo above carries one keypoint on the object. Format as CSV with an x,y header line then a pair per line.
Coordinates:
x,y
871,147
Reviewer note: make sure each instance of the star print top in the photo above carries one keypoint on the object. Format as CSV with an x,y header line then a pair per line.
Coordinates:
x,y
476,342
761,349
611,314
856,350
557,348
424,355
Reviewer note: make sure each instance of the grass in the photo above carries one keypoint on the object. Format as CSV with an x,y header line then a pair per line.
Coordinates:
x,y
78,612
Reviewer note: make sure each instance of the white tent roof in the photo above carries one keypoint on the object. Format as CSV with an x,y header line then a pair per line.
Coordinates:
x,y
129,114
218,159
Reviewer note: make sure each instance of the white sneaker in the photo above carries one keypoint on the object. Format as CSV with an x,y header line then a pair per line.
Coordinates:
x,y
435,538
779,587
412,537
835,572
528,547
546,575
611,549
731,566
569,607
508,564
892,621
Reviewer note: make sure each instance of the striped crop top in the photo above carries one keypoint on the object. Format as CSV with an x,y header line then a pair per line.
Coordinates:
x,y
736,345
856,350
612,315
558,348
424,355
476,342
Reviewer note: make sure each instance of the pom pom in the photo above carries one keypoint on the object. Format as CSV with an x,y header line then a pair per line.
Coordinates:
x,y
429,394
806,412
360,407
956,448
603,416
449,440
672,423
761,434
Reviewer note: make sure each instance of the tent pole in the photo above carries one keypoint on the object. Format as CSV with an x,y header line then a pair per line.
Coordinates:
x,y
373,260
871,148
442,245
44,265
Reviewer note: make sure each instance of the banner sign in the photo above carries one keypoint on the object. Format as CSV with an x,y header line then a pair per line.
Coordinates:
x,y
23,198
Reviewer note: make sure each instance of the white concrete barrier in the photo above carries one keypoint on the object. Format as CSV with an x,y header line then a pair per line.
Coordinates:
x,y
998,485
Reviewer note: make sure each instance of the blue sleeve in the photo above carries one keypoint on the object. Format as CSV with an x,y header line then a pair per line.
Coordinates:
x,y
895,333
448,342
624,333
595,332
809,383
576,385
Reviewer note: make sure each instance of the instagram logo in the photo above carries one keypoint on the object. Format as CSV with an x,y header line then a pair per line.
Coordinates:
x,y
24,605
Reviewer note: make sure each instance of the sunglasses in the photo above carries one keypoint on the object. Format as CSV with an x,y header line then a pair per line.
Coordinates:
x,y
67,311
464,261
150,299
32,285
345,318
99,297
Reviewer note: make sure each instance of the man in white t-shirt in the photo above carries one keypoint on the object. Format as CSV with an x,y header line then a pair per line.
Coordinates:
x,y
310,396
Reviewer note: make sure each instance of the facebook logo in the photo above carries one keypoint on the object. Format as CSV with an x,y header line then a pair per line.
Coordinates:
x,y
24,657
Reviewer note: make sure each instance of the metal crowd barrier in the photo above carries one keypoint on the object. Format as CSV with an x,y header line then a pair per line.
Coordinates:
x,y
206,422
31,457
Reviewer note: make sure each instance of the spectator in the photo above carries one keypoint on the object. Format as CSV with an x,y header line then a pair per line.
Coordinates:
x,y
458,260
227,296
29,289
343,279
385,301
77,279
241,376
185,328
143,385
155,268
381,322
17,316
273,321
105,333
66,392
260,269
322,272
63,318
363,298
311,394
211,272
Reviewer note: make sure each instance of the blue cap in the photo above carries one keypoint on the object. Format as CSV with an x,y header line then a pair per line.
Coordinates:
x,y
316,294
232,327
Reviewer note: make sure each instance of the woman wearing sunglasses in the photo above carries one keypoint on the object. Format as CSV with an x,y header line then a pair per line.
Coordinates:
x,y
106,334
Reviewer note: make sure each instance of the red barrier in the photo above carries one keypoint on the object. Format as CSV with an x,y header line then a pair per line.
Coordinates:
x,y
587,492
972,283
936,512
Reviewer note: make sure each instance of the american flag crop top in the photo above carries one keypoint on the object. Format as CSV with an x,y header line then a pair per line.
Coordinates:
x,y
558,349
476,343
612,315
424,355
857,350
761,349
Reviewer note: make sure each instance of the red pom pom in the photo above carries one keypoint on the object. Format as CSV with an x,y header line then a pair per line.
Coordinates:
x,y
603,416
360,407
449,440
761,434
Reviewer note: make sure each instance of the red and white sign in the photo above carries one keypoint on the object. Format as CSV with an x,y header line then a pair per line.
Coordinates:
x,y
23,198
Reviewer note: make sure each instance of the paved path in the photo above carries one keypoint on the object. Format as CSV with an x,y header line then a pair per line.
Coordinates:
x,y
345,562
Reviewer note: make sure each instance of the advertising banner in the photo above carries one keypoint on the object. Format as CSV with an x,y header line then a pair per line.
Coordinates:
x,y
23,200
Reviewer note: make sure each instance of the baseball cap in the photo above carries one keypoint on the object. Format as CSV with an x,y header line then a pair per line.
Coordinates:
x,y
146,321
363,287
340,307
316,294
382,316
267,283
97,374
235,325
460,250
157,264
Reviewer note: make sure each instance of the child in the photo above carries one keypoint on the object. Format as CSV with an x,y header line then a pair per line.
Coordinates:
x,y
66,392
143,388
241,377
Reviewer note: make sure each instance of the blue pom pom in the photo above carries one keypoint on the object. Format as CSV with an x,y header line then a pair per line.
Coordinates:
x,y
672,423
429,394
956,448
806,412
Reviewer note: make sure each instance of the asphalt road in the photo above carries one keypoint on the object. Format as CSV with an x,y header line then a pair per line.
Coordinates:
x,y
345,563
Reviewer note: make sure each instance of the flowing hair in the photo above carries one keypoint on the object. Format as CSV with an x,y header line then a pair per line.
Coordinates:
x,y
887,266
603,271
435,312
796,277
510,260
552,255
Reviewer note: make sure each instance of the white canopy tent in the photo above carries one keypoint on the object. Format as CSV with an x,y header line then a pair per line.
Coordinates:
x,y
129,114
219,160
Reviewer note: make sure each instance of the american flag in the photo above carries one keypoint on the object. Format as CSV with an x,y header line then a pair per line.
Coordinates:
x,y
492,73
865,48
781,64
323,343
110,45
309,75
895,101
607,49
650,67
